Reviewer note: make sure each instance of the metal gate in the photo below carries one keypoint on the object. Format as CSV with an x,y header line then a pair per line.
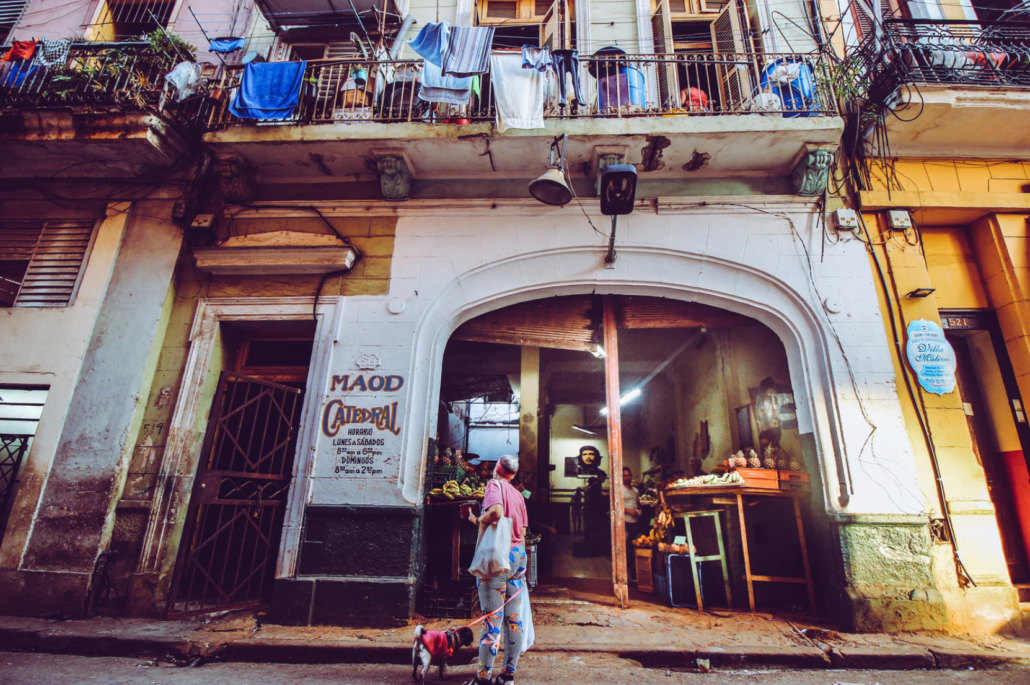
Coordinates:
x,y
233,526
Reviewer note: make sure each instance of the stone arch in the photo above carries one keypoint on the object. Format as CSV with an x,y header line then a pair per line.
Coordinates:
x,y
669,273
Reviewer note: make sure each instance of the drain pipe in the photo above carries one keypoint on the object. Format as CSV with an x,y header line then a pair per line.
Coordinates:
x,y
398,41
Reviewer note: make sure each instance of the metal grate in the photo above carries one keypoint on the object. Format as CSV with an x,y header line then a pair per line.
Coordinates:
x,y
41,261
20,410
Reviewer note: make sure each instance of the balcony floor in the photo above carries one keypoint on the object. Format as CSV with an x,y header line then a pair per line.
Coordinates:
x,y
748,145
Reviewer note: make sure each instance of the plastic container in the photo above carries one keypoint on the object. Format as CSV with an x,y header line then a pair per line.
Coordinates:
x,y
627,87
532,562
791,79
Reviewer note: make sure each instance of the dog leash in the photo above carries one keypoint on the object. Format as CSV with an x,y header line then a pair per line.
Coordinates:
x,y
498,609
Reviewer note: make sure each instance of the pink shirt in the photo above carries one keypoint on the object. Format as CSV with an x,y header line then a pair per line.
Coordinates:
x,y
514,507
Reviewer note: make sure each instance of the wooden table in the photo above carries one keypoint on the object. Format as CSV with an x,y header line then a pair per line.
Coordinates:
x,y
740,492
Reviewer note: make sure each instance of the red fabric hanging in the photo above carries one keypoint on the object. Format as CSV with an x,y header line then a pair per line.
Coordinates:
x,y
21,49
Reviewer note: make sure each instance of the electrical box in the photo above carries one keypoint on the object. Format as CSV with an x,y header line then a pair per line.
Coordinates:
x,y
845,219
202,231
899,219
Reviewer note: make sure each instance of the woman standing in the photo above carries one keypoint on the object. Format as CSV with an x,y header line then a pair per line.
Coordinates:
x,y
502,499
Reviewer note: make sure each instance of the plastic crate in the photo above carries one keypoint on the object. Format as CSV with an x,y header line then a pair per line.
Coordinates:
x,y
449,599
442,474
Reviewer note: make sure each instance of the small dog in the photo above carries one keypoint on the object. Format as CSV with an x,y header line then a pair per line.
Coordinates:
x,y
432,647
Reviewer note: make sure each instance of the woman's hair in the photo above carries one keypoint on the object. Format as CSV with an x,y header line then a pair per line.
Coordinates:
x,y
509,463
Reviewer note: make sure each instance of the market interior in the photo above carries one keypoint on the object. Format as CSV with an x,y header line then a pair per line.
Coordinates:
x,y
697,385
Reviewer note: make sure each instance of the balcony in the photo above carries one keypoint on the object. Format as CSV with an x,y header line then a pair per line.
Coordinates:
x,y
733,105
957,88
100,114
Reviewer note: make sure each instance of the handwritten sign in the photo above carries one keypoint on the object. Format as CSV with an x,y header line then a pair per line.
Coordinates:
x,y
363,425
931,357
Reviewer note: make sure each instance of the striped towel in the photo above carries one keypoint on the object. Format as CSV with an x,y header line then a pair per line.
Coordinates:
x,y
468,51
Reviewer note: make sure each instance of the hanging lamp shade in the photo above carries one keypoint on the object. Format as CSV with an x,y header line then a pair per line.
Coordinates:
x,y
551,188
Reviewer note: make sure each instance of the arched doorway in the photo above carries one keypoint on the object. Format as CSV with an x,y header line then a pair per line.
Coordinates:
x,y
583,386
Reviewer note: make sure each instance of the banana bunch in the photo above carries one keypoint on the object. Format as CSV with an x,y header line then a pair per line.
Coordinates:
x,y
465,490
451,489
480,492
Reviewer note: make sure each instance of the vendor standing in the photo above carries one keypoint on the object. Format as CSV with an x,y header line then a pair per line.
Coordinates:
x,y
631,513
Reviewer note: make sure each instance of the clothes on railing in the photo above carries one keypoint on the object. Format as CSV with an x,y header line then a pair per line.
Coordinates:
x,y
439,88
14,74
20,49
185,79
468,50
268,90
518,92
536,58
226,44
431,42
52,53
566,64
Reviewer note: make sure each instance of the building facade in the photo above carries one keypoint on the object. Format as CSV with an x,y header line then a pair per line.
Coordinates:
x,y
233,390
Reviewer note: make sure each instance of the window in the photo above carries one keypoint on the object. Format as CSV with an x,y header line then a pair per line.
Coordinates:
x,y
11,12
41,262
20,409
121,19
519,22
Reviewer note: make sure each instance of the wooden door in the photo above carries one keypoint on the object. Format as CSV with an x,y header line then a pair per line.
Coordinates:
x,y
733,66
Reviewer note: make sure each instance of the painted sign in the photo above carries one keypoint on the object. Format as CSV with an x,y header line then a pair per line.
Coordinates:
x,y
931,357
363,427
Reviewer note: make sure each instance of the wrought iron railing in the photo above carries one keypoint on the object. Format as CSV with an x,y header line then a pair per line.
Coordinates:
x,y
688,84
928,52
100,75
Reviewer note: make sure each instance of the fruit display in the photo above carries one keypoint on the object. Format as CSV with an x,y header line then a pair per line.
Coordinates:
x,y
643,541
462,464
730,478
753,461
782,464
451,490
796,466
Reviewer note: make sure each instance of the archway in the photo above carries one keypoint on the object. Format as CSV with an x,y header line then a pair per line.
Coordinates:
x,y
544,378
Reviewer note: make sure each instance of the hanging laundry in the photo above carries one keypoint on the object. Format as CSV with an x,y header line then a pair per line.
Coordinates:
x,y
268,90
467,50
186,80
21,49
518,93
536,58
17,73
477,86
566,63
53,53
439,88
226,44
431,42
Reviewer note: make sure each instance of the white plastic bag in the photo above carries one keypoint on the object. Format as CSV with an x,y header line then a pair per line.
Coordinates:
x,y
493,548
526,617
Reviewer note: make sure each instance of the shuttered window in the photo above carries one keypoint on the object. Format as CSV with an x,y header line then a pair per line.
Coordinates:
x,y
41,262
11,12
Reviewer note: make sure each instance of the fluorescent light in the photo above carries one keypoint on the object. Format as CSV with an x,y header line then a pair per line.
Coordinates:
x,y
598,352
628,397
583,429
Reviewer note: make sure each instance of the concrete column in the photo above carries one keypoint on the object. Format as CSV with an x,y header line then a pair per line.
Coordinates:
x,y
529,418
75,516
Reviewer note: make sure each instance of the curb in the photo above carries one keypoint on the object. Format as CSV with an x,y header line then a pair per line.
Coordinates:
x,y
296,652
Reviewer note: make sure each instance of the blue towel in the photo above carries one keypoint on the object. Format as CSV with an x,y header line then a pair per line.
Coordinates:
x,y
226,44
268,90
18,72
467,50
431,42
439,88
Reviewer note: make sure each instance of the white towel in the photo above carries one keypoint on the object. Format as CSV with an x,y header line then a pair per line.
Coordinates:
x,y
518,92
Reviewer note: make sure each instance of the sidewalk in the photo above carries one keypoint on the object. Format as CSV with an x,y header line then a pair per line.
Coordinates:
x,y
565,622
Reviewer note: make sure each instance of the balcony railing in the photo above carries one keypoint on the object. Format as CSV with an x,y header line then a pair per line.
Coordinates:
x,y
928,52
101,76
624,86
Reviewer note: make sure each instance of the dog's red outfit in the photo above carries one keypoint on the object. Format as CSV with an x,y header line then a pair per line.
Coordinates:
x,y
437,643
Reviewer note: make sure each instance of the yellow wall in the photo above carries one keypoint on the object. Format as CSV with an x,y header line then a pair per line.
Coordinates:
x,y
952,268
953,176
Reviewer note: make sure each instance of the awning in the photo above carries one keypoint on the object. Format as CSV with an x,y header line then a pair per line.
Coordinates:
x,y
285,13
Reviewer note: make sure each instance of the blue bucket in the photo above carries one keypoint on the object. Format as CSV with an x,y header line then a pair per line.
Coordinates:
x,y
627,87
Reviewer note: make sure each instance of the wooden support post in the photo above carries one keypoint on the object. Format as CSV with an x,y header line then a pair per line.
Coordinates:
x,y
529,416
620,576
747,556
804,555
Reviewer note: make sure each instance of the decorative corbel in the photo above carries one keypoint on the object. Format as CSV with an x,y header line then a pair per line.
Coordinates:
x,y
605,155
237,179
812,170
394,177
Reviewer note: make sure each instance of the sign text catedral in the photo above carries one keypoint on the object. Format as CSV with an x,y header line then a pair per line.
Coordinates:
x,y
361,426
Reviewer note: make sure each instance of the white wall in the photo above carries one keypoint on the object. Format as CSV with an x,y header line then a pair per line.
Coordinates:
x,y
455,262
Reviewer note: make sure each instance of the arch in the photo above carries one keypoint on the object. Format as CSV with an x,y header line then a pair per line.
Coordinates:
x,y
680,275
